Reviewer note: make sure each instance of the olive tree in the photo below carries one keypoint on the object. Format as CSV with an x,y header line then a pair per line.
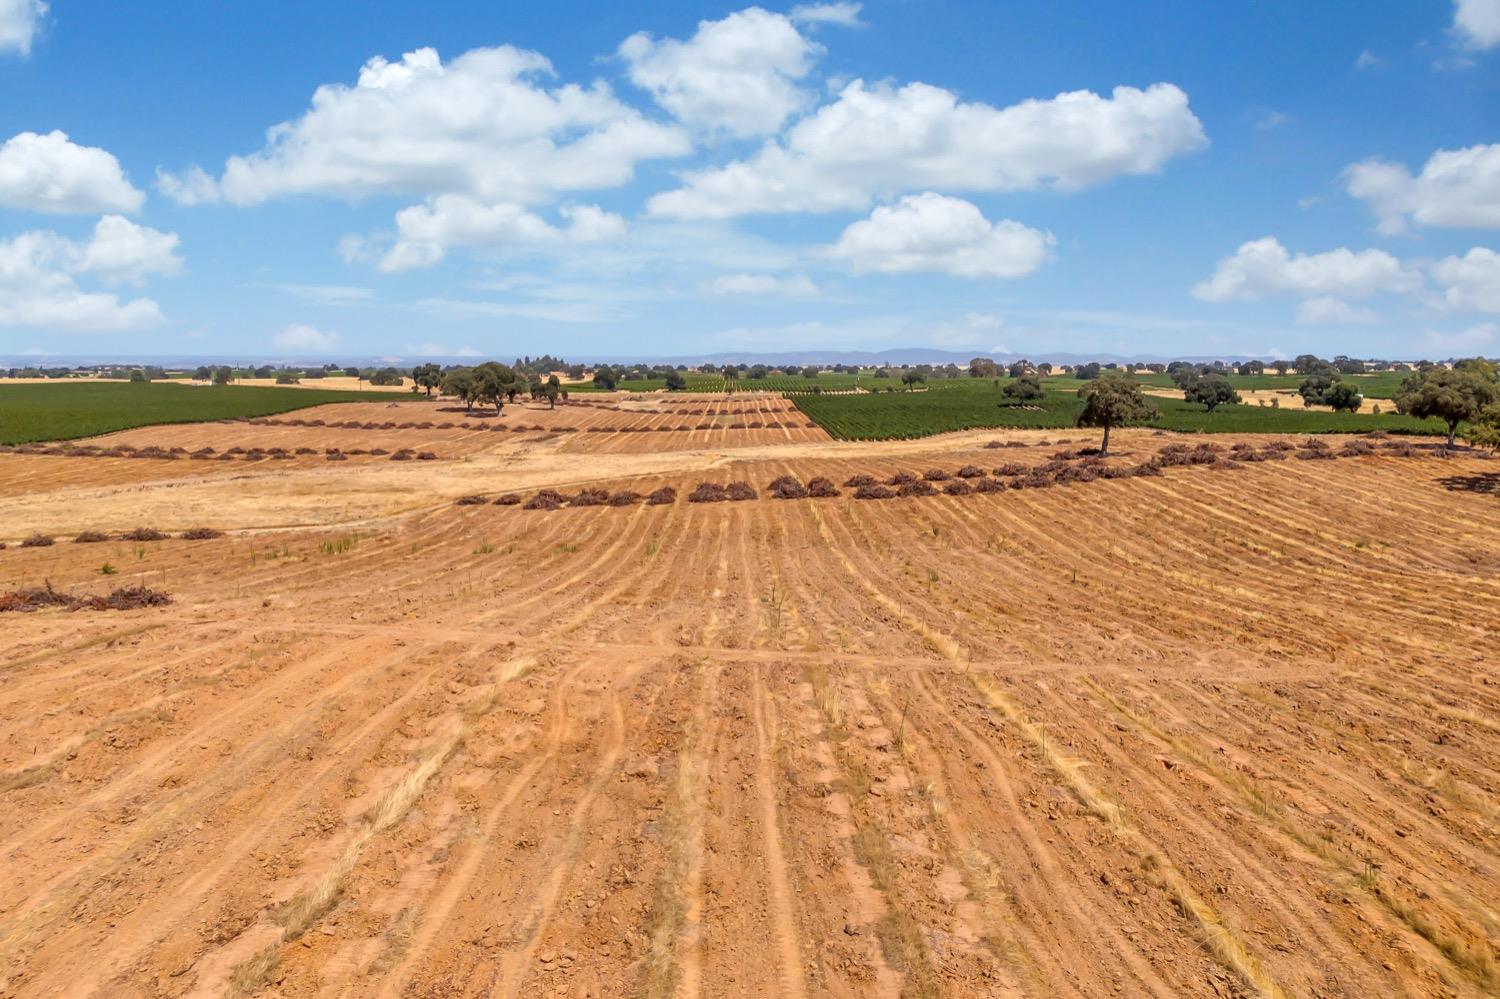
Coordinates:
x,y
460,382
1343,397
1451,395
426,376
1212,391
1314,388
1113,400
1026,388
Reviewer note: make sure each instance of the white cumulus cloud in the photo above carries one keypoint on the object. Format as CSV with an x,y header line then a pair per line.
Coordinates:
x,y
50,173
1263,268
844,13
123,252
1471,282
1477,22
426,232
932,232
737,75
878,139
304,338
482,125
39,272
20,20
1457,188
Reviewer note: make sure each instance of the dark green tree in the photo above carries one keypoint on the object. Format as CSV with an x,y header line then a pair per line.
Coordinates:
x,y
1110,401
1343,397
1314,388
1027,388
426,376
1211,391
1451,395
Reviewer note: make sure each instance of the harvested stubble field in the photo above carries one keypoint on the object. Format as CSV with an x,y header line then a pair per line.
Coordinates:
x,y
1210,732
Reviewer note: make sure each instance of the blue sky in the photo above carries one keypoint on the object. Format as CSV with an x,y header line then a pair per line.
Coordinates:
x,y
394,179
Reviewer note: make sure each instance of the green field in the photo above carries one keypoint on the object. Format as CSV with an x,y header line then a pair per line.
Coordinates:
x,y
827,381
1375,385
974,404
69,410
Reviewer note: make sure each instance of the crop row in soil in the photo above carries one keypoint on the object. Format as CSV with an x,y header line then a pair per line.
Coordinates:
x,y
518,428
1062,469
137,534
237,453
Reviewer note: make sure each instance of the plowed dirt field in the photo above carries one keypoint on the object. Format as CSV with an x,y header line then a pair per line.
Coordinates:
x,y
1230,730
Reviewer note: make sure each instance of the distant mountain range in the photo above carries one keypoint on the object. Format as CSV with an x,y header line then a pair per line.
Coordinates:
x,y
895,355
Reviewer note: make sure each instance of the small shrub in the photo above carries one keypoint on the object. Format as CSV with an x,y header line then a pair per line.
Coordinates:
x,y
958,488
144,534
91,537
989,486
741,491
917,488
426,456
509,499
873,491
38,541
936,475
970,472
624,497
1011,468
201,534
470,501
821,488
855,481
336,456
902,479
662,496
405,454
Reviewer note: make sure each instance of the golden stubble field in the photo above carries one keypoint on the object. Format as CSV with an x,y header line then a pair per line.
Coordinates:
x,y
1217,732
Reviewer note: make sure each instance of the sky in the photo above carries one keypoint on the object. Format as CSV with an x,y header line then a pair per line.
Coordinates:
x,y
450,179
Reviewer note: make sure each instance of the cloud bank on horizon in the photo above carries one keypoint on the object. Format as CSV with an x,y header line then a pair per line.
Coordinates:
x,y
740,166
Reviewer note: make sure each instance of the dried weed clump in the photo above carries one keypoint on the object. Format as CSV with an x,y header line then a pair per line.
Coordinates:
x,y
38,597
546,499
708,492
787,487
